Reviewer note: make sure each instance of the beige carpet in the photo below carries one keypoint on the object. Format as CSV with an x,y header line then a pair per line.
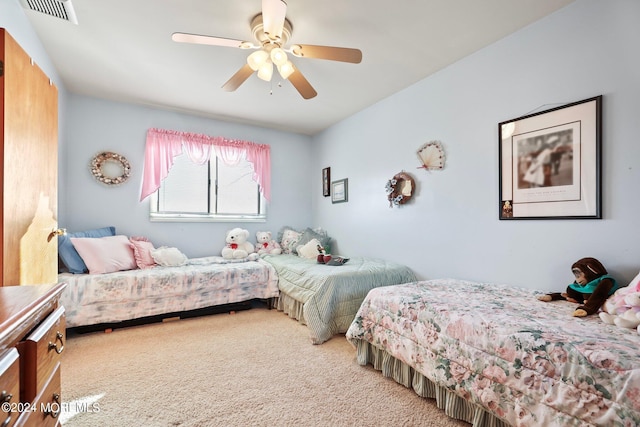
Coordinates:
x,y
252,368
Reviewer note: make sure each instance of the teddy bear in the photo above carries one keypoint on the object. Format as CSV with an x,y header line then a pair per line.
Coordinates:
x,y
237,245
622,308
266,245
591,288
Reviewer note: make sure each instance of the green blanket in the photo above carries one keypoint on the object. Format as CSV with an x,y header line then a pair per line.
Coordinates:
x,y
331,295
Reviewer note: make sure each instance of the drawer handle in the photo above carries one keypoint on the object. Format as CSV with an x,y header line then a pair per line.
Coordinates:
x,y
53,345
54,414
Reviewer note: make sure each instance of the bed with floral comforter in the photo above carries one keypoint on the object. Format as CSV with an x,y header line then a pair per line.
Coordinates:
x,y
494,355
91,299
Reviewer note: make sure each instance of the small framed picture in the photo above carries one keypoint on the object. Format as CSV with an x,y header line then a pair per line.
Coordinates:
x,y
326,182
340,191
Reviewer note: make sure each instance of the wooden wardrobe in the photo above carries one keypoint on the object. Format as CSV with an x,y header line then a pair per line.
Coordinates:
x,y
29,176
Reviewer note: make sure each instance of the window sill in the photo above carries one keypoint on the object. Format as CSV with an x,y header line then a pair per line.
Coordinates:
x,y
159,217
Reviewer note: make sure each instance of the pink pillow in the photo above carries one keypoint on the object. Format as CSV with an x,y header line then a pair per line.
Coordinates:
x,y
105,254
142,248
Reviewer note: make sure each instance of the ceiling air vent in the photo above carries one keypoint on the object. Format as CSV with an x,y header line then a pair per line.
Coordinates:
x,y
62,9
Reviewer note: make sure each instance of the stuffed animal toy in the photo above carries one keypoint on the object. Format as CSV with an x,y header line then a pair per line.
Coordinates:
x,y
592,287
237,245
266,245
622,309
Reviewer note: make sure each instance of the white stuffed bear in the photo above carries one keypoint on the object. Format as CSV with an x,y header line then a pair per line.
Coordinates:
x,y
266,245
624,312
237,245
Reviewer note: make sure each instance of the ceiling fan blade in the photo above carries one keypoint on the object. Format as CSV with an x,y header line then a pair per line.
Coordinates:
x,y
238,78
343,54
210,40
302,85
273,14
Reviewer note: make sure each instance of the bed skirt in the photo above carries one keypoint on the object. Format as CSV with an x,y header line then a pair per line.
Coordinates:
x,y
452,404
290,306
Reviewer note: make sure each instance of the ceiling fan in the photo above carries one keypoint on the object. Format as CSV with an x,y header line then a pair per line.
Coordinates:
x,y
272,30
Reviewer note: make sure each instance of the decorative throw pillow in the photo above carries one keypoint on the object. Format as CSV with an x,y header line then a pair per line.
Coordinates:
x,y
289,239
68,254
142,248
318,234
169,257
309,250
105,254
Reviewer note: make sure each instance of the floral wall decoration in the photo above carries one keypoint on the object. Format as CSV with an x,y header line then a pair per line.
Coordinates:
x,y
400,189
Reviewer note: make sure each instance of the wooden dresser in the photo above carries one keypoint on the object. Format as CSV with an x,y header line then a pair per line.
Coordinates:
x,y
32,337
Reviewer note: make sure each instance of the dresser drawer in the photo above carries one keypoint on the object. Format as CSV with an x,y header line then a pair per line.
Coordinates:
x,y
40,353
9,387
46,408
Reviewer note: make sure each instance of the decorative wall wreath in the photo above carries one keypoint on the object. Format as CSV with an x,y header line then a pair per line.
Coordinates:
x,y
400,189
110,168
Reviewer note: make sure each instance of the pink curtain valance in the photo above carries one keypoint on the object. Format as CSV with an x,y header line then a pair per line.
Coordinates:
x,y
163,145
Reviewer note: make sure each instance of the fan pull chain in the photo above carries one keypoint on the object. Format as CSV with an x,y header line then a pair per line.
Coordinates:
x,y
271,86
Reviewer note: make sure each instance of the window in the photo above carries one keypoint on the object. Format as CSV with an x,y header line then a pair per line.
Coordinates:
x,y
222,190
212,191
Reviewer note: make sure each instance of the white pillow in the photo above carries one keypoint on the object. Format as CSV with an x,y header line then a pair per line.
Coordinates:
x,y
309,250
169,257
105,254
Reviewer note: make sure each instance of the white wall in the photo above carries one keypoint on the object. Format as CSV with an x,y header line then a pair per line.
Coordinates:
x,y
96,125
451,228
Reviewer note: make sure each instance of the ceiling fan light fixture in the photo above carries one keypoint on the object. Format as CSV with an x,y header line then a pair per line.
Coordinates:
x,y
271,30
273,15
257,59
296,49
266,71
286,69
278,56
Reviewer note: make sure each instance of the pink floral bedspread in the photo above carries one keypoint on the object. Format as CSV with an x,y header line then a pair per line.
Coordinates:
x,y
528,362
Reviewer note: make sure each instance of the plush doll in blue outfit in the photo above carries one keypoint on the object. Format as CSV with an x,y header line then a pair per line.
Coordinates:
x,y
592,287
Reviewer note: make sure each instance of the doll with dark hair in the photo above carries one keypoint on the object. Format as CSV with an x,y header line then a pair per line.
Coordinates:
x,y
591,288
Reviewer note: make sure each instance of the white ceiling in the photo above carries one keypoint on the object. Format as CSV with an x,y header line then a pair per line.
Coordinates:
x,y
122,50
